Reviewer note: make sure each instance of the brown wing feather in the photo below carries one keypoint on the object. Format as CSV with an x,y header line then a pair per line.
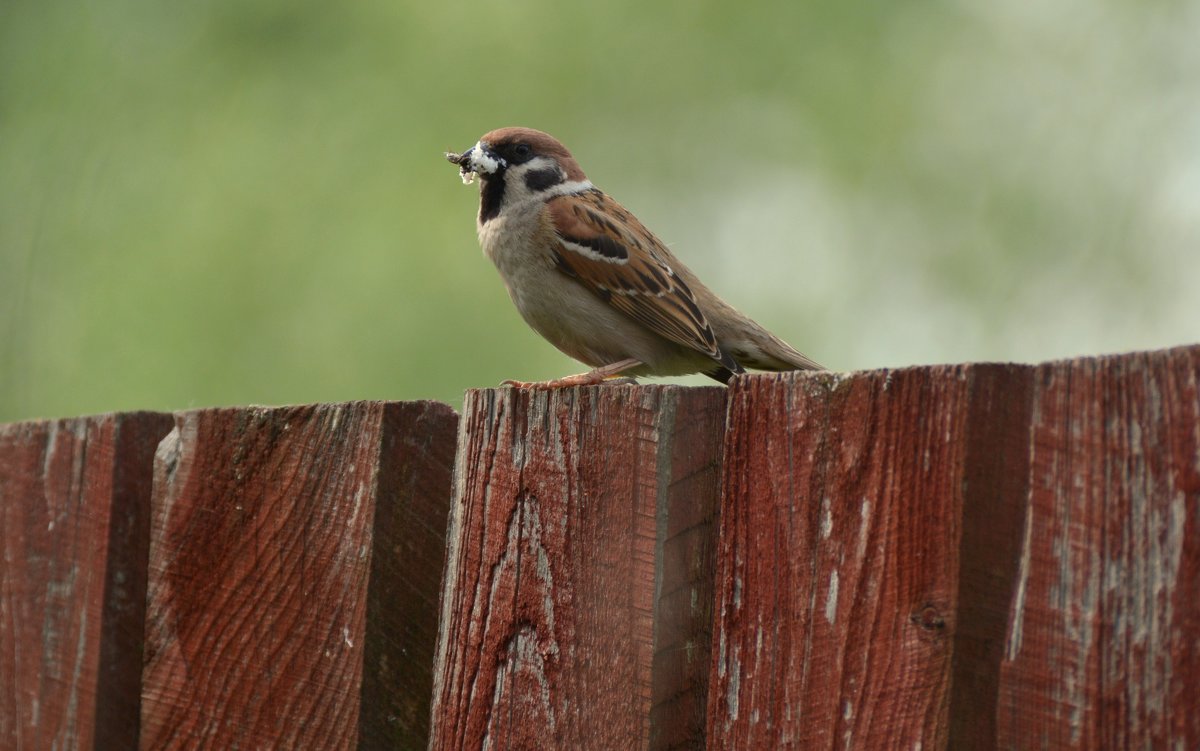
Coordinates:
x,y
611,253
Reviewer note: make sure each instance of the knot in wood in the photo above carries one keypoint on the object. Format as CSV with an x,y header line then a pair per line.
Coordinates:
x,y
929,618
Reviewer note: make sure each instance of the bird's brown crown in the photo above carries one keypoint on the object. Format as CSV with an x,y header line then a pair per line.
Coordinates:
x,y
542,144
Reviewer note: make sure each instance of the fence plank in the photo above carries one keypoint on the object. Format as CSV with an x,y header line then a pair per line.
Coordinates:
x,y
839,574
1103,648
408,553
556,631
268,526
74,516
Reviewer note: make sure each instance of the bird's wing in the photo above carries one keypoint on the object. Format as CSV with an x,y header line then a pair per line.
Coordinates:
x,y
607,250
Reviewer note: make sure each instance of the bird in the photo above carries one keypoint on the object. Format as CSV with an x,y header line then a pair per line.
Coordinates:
x,y
591,279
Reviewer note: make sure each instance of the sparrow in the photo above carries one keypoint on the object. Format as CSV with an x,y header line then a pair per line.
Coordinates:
x,y
592,280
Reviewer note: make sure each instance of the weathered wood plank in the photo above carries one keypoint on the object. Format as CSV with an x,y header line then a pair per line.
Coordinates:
x,y
268,526
408,552
74,521
575,612
1103,648
839,575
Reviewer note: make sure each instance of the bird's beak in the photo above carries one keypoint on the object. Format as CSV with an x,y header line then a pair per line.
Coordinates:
x,y
477,160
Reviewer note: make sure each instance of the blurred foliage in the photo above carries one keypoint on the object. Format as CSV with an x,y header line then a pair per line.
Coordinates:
x,y
225,202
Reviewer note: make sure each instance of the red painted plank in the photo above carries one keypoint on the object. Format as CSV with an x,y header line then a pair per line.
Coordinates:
x,y
1103,648
268,526
839,574
408,553
556,630
74,516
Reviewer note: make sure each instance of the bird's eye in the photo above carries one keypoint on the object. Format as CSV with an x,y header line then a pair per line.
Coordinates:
x,y
522,151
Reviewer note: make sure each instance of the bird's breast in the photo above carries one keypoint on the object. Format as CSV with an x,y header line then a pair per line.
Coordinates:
x,y
517,240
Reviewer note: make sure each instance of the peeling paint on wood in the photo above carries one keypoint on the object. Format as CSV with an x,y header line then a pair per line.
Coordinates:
x,y
841,592
1103,647
74,520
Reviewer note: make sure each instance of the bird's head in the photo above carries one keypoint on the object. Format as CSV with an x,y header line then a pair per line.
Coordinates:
x,y
515,165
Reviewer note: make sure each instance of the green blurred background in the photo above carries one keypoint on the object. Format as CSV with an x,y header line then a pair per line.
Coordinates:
x,y
233,202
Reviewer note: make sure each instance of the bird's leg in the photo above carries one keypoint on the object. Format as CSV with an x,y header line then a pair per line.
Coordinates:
x,y
605,373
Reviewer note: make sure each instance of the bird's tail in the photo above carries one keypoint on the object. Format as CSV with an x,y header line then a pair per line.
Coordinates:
x,y
772,353
755,347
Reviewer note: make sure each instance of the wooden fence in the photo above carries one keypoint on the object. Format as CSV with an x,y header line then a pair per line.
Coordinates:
x,y
957,557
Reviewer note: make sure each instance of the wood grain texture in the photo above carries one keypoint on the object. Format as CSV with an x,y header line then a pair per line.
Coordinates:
x,y
263,545
839,574
556,631
413,485
74,521
1103,648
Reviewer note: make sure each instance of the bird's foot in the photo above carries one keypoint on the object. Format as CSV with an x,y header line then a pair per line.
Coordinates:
x,y
606,374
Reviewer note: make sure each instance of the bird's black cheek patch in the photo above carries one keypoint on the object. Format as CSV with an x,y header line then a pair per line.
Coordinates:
x,y
541,179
